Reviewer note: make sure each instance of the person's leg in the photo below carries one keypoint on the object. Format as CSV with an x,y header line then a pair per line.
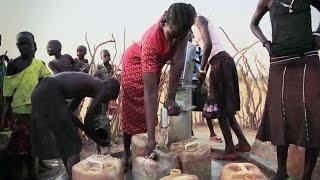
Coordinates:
x,y
15,167
282,154
69,162
213,135
210,126
30,166
67,138
243,143
310,162
225,128
126,144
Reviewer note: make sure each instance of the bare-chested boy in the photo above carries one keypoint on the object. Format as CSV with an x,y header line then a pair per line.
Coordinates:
x,y
105,57
83,64
53,123
61,63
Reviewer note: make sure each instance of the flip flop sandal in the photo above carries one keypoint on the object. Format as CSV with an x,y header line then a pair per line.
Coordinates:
x,y
216,139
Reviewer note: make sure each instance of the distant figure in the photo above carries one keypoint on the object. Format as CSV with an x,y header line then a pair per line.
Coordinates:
x,y
82,63
223,87
53,123
61,63
3,60
22,76
292,109
101,72
105,57
142,63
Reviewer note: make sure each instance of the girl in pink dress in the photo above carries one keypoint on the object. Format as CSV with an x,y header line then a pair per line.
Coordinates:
x,y
142,64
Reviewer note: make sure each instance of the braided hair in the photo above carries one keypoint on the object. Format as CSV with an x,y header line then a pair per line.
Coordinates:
x,y
182,15
25,33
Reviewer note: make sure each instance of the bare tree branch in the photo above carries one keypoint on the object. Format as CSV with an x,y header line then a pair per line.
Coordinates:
x,y
86,37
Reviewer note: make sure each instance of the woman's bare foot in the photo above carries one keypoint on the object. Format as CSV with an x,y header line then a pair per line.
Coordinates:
x,y
243,147
280,176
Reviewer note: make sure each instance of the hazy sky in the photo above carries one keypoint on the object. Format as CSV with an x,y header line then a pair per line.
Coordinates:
x,y
68,20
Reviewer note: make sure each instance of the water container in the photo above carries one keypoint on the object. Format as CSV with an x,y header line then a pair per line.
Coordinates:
x,y
195,159
149,169
178,147
98,167
295,161
175,174
241,171
138,145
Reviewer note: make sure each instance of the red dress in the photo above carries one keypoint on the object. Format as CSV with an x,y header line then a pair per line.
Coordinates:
x,y
148,55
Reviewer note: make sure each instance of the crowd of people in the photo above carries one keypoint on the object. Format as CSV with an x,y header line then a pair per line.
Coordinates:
x,y
44,131
43,105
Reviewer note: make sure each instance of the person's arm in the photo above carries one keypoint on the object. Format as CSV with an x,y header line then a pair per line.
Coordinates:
x,y
91,133
93,109
85,68
6,110
176,69
4,58
8,99
53,67
202,24
74,103
150,105
261,10
73,63
43,72
316,4
112,69
149,69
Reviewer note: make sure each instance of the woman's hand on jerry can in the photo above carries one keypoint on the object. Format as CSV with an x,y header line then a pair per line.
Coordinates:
x,y
151,145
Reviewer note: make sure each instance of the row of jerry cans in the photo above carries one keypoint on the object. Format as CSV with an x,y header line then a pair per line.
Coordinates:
x,y
192,157
98,167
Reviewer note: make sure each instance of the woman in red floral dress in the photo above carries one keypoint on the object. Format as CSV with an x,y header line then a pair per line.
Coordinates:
x,y
142,64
